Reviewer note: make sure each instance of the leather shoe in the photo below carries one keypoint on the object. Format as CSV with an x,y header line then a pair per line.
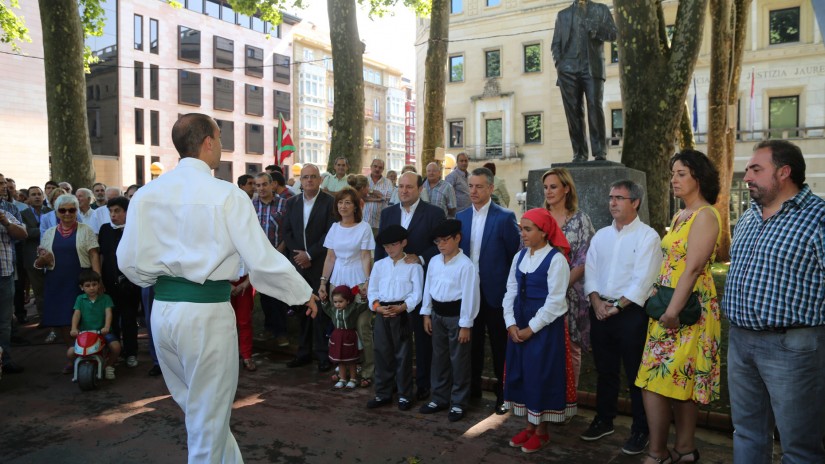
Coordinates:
x,y
431,408
12,368
500,409
378,402
422,394
298,362
324,367
155,371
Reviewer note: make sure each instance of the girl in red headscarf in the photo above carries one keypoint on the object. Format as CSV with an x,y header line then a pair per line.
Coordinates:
x,y
343,343
538,379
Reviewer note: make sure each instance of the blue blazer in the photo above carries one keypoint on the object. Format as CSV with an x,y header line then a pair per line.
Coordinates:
x,y
499,245
419,240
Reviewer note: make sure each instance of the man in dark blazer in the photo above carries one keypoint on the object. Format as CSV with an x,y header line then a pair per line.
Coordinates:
x,y
419,218
490,237
304,238
578,53
31,220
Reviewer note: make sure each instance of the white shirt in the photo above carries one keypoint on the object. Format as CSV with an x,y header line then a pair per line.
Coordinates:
x,y
397,281
623,263
308,204
188,224
87,217
348,243
454,280
100,217
558,275
406,217
477,231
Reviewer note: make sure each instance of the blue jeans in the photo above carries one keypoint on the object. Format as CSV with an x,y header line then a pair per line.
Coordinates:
x,y
6,311
777,379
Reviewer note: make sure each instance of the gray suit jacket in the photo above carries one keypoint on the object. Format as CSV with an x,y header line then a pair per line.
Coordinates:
x,y
601,28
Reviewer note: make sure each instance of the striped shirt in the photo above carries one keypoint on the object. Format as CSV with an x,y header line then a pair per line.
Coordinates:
x,y
7,257
777,272
372,210
271,216
442,195
458,179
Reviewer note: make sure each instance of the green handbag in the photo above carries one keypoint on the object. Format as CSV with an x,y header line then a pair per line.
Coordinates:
x,y
657,304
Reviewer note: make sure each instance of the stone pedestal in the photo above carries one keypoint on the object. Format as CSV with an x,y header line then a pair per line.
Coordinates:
x,y
592,181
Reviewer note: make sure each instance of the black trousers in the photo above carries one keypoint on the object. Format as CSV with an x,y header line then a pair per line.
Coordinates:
x,y
274,314
618,340
489,321
124,316
423,351
575,87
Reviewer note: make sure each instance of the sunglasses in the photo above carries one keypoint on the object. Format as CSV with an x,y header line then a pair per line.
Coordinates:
x,y
66,210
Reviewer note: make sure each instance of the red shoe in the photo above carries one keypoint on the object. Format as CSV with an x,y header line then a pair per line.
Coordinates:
x,y
521,438
535,443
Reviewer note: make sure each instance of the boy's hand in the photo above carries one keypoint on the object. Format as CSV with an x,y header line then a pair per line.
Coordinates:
x,y
73,333
464,335
513,332
428,325
104,331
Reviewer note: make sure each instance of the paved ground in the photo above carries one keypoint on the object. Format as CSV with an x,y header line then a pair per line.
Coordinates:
x,y
280,415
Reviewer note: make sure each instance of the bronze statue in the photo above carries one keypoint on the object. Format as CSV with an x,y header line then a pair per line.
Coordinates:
x,y
578,54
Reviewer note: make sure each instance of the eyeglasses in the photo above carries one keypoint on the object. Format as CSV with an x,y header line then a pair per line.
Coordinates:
x,y
439,240
309,177
618,198
66,210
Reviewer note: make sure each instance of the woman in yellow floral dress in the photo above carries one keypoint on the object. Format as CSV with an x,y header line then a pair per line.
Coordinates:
x,y
680,363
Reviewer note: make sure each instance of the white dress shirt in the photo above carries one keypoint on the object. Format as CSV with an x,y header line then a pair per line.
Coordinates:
x,y
406,217
397,281
308,204
623,263
188,224
457,279
477,231
558,275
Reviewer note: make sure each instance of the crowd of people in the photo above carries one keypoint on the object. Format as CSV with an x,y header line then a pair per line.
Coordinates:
x,y
414,274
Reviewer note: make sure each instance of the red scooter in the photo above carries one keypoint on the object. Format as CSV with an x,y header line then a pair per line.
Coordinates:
x,y
89,363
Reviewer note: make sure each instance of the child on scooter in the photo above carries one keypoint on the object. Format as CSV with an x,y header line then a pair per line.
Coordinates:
x,y
93,311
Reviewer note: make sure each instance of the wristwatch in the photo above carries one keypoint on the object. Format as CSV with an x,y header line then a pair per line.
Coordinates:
x,y
617,305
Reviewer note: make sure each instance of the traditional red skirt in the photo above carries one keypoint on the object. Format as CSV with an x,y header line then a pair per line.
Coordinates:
x,y
343,345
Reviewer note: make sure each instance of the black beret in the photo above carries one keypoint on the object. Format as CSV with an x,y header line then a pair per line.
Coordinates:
x,y
392,234
447,228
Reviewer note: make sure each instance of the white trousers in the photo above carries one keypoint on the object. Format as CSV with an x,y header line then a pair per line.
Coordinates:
x,y
197,348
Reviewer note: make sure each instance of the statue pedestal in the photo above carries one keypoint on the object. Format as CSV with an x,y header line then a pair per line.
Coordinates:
x,y
592,181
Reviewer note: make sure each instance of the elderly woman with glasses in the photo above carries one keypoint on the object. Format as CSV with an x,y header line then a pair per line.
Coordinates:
x,y
64,250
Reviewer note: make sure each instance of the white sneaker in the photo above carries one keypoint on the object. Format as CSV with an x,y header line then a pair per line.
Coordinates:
x,y
131,361
110,373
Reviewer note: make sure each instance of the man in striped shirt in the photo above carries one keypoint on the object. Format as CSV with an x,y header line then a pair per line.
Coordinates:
x,y
775,301
440,192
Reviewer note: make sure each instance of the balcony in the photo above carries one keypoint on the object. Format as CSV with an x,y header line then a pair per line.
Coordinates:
x,y
376,144
491,152
368,113
756,135
376,115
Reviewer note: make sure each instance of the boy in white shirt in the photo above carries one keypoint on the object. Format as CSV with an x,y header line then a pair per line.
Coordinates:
x,y
450,304
394,290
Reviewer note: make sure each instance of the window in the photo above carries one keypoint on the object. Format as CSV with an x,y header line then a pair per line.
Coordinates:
x,y
254,168
492,137
189,44
614,52
195,5
282,104
224,171
258,25
456,133
281,63
784,115
254,96
532,128
457,68
189,88
140,169
493,2
244,21
153,36
456,6
139,126
227,13
223,96
213,8
255,139
617,128
153,82
532,58
224,56
138,32
154,128
227,134
254,61
784,26
138,79
492,63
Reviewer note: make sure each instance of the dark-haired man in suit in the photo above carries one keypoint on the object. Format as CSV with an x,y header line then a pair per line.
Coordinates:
x,y
419,218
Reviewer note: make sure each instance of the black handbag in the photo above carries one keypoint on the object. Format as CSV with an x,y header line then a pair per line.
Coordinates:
x,y
657,304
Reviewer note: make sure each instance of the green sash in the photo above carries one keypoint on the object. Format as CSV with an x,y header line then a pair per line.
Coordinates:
x,y
177,289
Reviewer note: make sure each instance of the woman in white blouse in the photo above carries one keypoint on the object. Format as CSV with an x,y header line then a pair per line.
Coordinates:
x,y
349,245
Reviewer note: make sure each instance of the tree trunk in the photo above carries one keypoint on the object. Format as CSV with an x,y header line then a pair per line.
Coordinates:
x,y
348,110
69,147
685,133
435,81
654,84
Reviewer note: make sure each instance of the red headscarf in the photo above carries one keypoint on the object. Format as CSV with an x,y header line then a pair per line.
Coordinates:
x,y
345,292
544,221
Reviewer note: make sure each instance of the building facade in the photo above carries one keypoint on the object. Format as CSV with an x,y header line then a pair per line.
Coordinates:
x,y
502,103
384,104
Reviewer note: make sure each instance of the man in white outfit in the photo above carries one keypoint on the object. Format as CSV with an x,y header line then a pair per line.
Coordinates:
x,y
186,233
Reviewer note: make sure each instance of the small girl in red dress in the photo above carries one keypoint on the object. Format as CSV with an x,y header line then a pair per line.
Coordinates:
x,y
343,344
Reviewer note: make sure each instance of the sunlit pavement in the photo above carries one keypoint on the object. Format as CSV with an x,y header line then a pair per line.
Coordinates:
x,y
280,415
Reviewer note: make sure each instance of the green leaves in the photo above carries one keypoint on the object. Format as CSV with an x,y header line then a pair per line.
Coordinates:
x,y
13,26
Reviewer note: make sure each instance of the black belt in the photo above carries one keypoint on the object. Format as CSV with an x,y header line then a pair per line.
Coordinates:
x,y
390,303
447,308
